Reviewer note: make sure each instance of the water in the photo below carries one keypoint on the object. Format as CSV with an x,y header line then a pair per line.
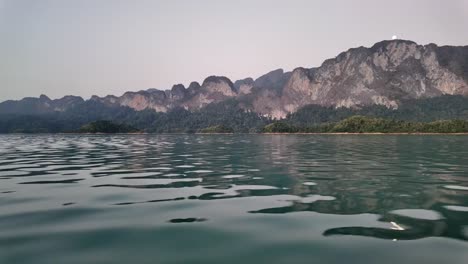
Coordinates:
x,y
233,199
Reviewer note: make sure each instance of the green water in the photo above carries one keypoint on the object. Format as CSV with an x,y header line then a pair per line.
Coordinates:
x,y
233,199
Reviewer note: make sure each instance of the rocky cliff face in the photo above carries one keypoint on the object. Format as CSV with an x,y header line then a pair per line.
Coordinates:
x,y
214,89
383,74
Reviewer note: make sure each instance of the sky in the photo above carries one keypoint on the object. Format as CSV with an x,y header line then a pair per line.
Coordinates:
x,y
101,47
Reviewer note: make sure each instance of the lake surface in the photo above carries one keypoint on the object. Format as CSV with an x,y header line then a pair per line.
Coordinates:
x,y
233,199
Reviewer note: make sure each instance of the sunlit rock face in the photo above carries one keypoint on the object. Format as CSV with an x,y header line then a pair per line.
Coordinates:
x,y
213,90
384,74
265,98
144,100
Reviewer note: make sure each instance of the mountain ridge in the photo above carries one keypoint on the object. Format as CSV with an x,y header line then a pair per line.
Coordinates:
x,y
384,74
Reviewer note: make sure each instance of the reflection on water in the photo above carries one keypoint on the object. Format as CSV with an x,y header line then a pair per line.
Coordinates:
x,y
143,198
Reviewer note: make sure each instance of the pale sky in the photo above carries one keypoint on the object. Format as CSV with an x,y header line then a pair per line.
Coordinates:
x,y
86,47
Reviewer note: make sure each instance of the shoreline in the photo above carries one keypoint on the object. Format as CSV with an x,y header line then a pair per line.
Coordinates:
x,y
300,133
369,133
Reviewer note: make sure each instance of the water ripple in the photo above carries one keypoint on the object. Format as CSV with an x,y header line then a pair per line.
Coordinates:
x,y
135,195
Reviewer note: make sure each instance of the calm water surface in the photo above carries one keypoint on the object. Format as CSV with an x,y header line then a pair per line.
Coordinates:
x,y
233,199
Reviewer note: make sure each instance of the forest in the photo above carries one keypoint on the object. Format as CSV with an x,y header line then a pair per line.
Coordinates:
x,y
362,124
444,114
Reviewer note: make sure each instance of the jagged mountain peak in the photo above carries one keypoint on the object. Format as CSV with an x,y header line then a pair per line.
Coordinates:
x,y
244,86
395,42
178,87
219,84
194,85
178,92
44,97
269,78
217,79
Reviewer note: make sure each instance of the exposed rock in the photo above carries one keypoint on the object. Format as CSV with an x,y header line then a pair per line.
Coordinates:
x,y
143,100
244,86
220,85
214,89
178,92
193,88
66,102
44,98
383,74
272,80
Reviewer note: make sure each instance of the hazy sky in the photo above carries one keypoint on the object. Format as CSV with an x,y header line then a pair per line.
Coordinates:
x,y
86,47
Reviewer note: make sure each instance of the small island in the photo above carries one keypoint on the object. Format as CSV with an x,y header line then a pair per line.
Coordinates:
x,y
218,129
107,127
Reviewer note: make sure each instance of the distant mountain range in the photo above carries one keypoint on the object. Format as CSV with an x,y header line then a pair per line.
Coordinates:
x,y
394,80
384,74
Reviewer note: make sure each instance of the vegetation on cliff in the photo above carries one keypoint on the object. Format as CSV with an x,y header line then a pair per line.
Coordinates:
x,y
411,116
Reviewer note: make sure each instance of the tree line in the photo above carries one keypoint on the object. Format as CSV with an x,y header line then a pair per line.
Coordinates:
x,y
418,115
362,124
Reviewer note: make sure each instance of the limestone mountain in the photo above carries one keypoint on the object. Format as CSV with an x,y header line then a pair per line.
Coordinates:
x,y
41,105
384,74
